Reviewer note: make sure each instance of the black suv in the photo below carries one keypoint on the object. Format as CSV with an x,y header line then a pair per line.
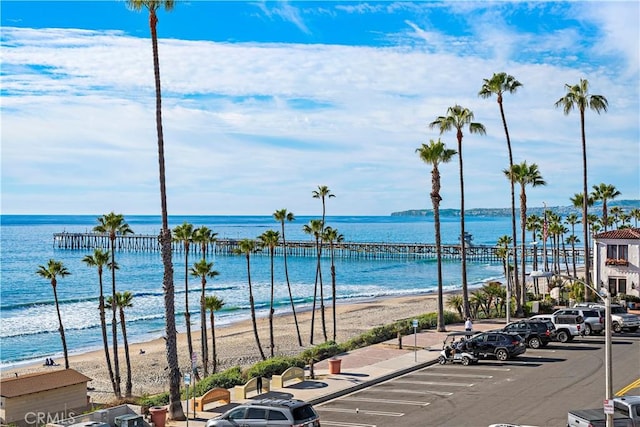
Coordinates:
x,y
499,344
535,333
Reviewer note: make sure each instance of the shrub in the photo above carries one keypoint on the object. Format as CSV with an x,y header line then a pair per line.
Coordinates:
x,y
226,379
322,351
274,366
161,399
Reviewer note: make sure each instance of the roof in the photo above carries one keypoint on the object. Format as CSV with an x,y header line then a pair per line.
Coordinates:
x,y
40,381
622,234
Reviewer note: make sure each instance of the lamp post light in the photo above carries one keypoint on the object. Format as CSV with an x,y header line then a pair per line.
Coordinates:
x,y
606,298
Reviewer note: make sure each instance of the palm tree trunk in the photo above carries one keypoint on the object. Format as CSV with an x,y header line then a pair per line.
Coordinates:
x,y
105,341
187,315
203,330
114,322
585,199
271,310
315,294
523,230
61,329
286,273
213,344
128,384
253,312
435,200
465,291
322,310
333,293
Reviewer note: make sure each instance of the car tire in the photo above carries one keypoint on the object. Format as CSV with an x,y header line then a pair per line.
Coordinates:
x,y
563,336
502,355
465,360
442,360
616,327
535,343
588,330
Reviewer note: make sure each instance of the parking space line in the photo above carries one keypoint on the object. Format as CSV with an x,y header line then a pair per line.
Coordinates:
x,y
435,383
343,424
358,411
469,368
437,393
445,374
397,402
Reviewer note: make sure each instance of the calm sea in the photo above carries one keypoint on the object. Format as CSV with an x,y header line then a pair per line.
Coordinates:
x,y
29,327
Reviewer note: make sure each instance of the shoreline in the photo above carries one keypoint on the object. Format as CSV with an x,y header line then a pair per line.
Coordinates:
x,y
235,343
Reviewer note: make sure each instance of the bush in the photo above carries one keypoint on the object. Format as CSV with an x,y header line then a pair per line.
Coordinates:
x,y
161,399
226,379
273,366
322,351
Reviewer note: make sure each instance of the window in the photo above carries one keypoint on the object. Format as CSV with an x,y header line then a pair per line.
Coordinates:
x,y
276,416
237,414
257,414
617,285
617,255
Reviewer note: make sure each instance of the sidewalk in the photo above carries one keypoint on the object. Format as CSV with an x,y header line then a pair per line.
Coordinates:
x,y
359,369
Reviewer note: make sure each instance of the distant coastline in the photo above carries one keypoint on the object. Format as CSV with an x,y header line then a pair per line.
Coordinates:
x,y
505,212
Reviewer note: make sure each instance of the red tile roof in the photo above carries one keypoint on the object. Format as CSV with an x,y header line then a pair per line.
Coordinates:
x,y
624,233
40,381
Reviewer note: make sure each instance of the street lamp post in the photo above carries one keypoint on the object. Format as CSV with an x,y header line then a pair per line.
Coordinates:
x,y
608,377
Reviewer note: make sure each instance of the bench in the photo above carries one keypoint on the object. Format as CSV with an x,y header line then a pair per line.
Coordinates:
x,y
240,391
213,395
293,372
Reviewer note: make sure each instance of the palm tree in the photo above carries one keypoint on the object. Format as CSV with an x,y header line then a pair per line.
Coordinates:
x,y
247,247
499,84
322,193
458,118
269,239
533,224
315,228
635,214
203,236
617,213
204,269
456,302
122,301
175,405
434,154
51,272
281,216
578,97
114,225
213,304
604,192
332,236
524,175
503,253
99,259
572,220
184,233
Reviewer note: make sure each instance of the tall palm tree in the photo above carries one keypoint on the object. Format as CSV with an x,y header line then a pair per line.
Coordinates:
x,y
269,239
499,84
99,259
114,225
184,233
281,216
175,405
315,228
635,214
203,236
51,272
458,118
204,269
434,154
572,220
604,192
124,300
503,253
247,247
213,304
578,97
524,175
332,236
322,193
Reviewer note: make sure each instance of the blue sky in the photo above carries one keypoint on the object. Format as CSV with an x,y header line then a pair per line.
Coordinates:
x,y
264,101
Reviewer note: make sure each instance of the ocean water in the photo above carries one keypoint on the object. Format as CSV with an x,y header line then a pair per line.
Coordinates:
x,y
29,325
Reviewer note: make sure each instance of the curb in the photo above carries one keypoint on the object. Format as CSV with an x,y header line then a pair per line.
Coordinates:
x,y
370,383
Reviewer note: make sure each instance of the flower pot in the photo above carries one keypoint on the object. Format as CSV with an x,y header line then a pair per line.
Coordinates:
x,y
158,415
334,366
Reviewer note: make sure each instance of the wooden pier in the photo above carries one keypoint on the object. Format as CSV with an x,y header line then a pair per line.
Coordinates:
x,y
366,250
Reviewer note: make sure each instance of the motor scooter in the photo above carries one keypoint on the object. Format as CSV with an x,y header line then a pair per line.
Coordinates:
x,y
457,352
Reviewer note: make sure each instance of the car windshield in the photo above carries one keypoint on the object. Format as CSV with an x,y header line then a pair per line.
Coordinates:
x,y
618,310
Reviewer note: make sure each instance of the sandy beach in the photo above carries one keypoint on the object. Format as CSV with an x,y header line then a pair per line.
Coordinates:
x,y
236,345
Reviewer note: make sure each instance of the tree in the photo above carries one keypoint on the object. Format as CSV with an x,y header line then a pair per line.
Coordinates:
x,y
99,259
51,272
332,236
114,225
572,220
315,228
204,237
503,253
281,216
175,405
524,175
269,239
204,269
184,234
434,154
578,97
458,118
635,214
322,193
499,84
247,247
213,304
604,192
124,300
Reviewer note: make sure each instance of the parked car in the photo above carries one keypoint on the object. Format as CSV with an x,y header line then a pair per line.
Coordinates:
x,y
535,333
620,319
269,412
568,326
593,318
500,345
626,414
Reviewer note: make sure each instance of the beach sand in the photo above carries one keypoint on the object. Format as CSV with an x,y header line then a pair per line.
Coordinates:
x,y
235,344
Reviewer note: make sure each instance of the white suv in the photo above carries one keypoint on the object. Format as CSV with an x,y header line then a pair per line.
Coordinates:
x,y
269,412
567,326
593,318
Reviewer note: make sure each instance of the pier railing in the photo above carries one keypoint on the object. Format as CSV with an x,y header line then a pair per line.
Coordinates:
x,y
304,248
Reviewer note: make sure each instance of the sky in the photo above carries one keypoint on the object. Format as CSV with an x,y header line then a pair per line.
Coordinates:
x,y
263,102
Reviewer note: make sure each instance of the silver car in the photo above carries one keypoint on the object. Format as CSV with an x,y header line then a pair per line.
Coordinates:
x,y
593,318
269,413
